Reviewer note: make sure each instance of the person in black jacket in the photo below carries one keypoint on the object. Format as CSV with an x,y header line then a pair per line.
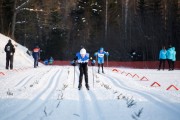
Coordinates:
x,y
10,50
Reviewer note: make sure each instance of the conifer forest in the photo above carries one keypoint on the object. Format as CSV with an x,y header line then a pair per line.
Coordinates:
x,y
121,27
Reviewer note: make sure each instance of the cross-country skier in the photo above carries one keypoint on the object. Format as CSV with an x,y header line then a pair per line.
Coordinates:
x,y
100,54
82,59
10,50
36,55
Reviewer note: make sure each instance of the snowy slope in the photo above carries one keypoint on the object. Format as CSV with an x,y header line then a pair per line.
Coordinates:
x,y
21,58
47,93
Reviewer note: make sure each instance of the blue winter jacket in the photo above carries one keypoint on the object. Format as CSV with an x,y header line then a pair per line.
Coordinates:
x,y
169,54
162,54
174,54
100,56
82,60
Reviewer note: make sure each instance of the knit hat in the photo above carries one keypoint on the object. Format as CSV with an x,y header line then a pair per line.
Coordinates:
x,y
102,48
83,51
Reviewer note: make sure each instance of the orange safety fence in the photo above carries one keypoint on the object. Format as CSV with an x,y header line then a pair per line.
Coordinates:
x,y
131,64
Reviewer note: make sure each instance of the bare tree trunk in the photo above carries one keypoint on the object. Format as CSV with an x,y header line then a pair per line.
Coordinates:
x,y
1,16
106,20
13,24
16,10
14,20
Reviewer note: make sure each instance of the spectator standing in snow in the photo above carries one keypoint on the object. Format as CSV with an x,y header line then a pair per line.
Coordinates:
x,y
169,56
36,55
174,57
10,50
100,54
82,59
46,62
162,57
51,60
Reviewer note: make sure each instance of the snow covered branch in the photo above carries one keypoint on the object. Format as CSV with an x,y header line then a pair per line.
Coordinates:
x,y
22,5
33,10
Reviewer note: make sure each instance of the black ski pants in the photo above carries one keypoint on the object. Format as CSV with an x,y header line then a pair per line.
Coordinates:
x,y
102,65
162,61
170,64
9,61
35,62
173,62
83,68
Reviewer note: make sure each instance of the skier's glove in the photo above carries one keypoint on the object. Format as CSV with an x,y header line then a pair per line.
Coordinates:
x,y
107,53
95,54
73,63
93,62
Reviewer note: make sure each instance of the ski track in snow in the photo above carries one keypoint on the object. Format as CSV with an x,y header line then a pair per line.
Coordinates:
x,y
155,99
46,92
54,83
87,105
28,78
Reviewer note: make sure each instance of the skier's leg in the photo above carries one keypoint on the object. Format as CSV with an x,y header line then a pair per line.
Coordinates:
x,y
102,67
7,62
85,69
11,62
98,67
80,76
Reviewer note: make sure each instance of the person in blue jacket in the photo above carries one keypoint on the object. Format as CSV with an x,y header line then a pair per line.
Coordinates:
x,y
162,57
36,55
46,62
51,60
174,57
82,58
100,58
169,56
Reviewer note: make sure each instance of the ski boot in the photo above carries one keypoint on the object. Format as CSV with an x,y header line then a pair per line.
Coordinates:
x,y
87,86
79,87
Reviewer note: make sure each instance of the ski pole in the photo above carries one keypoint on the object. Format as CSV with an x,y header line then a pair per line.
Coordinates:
x,y
96,60
93,76
107,60
74,77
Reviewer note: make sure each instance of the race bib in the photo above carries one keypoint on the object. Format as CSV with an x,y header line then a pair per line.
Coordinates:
x,y
100,55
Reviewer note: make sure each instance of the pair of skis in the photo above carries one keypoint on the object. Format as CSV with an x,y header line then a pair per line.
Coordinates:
x,y
81,87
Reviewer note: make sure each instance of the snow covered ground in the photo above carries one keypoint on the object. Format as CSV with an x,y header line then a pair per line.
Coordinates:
x,y
47,93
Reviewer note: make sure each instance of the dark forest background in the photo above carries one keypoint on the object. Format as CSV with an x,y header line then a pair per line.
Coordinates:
x,y
61,27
